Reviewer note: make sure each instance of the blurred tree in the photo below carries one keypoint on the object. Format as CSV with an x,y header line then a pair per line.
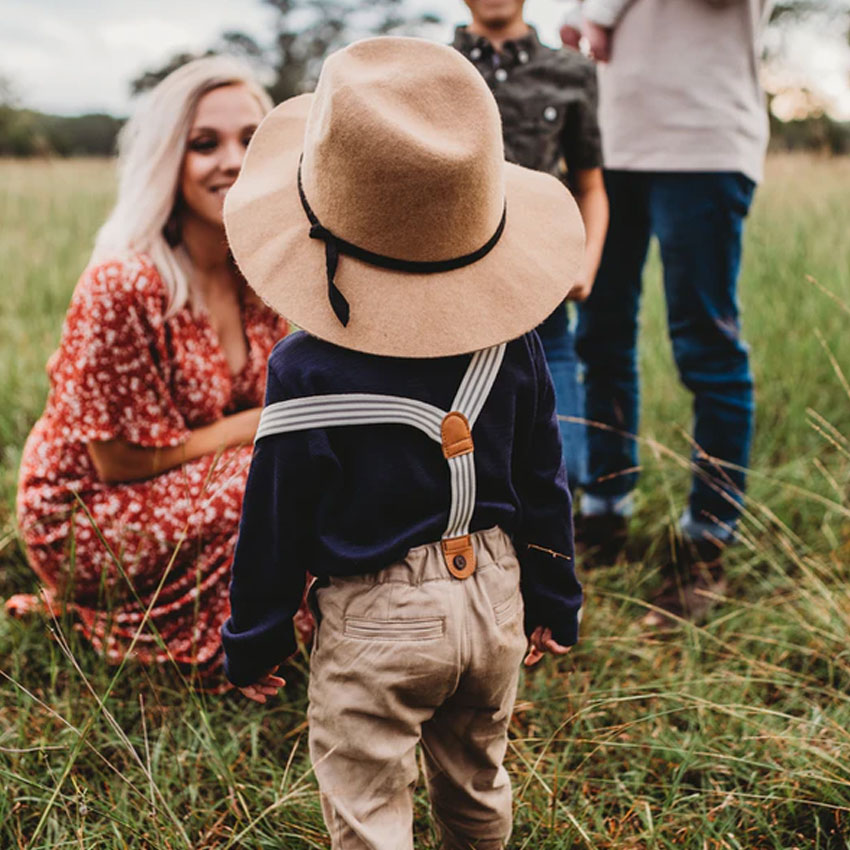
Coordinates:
x,y
303,33
8,103
149,79
7,92
794,9
81,135
830,16
25,132
795,94
19,134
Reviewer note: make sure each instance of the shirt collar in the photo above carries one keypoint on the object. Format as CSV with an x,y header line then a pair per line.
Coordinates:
x,y
511,53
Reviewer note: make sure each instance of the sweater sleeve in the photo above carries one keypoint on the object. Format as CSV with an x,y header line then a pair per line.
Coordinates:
x,y
571,14
606,13
544,542
272,553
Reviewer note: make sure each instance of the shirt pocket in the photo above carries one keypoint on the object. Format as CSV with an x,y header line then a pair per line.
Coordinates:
x,y
535,137
543,113
414,629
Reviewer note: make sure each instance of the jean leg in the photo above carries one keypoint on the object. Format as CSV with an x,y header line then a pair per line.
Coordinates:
x,y
698,218
606,341
559,346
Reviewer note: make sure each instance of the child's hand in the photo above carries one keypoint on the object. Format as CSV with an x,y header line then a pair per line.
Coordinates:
x,y
580,291
266,686
542,642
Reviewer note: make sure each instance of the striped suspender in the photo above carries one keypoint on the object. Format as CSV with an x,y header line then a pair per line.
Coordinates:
x,y
453,430
458,448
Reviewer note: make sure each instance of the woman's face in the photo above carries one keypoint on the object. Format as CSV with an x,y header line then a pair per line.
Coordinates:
x,y
225,120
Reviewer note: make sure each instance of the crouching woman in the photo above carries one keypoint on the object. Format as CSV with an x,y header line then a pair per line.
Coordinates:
x,y
131,482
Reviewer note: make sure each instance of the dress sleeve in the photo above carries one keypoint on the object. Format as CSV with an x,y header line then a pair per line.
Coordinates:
x,y
551,592
110,376
606,13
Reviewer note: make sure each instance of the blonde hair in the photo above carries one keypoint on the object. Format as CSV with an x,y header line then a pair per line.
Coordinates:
x,y
151,147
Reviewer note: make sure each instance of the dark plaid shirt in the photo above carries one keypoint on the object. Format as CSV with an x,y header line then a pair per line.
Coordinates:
x,y
547,100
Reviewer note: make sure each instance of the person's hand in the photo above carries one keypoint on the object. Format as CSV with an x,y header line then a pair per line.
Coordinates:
x,y
598,39
542,642
266,686
580,291
570,36
242,426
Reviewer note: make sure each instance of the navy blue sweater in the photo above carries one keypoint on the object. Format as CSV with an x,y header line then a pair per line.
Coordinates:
x,y
351,500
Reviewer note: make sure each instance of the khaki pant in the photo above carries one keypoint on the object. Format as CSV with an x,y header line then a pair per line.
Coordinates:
x,y
412,654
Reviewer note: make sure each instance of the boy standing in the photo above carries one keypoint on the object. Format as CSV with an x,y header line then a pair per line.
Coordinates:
x,y
408,454
547,100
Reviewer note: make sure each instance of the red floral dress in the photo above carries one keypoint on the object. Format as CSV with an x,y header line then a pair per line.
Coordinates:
x,y
144,564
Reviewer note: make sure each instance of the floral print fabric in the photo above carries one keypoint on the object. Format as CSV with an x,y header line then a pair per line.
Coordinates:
x,y
156,551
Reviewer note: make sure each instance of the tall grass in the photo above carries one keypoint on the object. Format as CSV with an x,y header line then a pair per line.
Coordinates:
x,y
734,735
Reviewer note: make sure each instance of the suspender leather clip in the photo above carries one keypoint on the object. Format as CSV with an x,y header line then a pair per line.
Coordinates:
x,y
459,556
456,435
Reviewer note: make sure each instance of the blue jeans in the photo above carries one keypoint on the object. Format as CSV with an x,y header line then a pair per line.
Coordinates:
x,y
698,219
559,348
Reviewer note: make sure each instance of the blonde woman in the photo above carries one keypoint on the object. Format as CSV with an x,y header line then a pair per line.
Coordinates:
x,y
131,482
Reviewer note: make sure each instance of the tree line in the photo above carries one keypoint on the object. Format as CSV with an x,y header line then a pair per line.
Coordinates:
x,y
26,133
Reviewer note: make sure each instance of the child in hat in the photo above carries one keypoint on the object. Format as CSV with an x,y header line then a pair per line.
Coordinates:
x,y
417,416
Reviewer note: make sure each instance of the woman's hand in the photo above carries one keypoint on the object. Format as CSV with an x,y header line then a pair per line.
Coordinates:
x,y
116,461
266,686
242,426
542,642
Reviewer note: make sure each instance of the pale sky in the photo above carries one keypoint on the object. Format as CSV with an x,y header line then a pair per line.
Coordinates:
x,y
74,56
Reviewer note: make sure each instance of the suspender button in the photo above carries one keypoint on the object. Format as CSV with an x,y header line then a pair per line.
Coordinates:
x,y
459,562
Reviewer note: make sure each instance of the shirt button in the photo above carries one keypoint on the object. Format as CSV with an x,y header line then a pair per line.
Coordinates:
x,y
475,53
459,562
550,113
501,74
522,56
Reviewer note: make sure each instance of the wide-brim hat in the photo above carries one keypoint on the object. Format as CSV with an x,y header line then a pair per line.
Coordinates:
x,y
379,214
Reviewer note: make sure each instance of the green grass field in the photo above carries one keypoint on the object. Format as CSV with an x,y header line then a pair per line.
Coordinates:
x,y
735,735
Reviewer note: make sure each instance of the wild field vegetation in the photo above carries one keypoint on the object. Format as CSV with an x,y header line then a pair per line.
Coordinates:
x,y
735,735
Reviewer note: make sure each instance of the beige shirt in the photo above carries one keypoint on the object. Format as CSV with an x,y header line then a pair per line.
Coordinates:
x,y
681,92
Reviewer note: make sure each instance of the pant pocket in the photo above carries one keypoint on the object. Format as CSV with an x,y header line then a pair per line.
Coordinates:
x,y
507,609
415,629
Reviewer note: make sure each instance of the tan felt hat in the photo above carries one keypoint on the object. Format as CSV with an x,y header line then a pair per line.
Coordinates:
x,y
379,214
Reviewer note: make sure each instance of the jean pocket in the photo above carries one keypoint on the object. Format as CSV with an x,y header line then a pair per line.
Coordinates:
x,y
737,192
426,628
507,609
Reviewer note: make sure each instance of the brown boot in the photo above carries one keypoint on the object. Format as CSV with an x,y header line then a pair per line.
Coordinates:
x,y
690,587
